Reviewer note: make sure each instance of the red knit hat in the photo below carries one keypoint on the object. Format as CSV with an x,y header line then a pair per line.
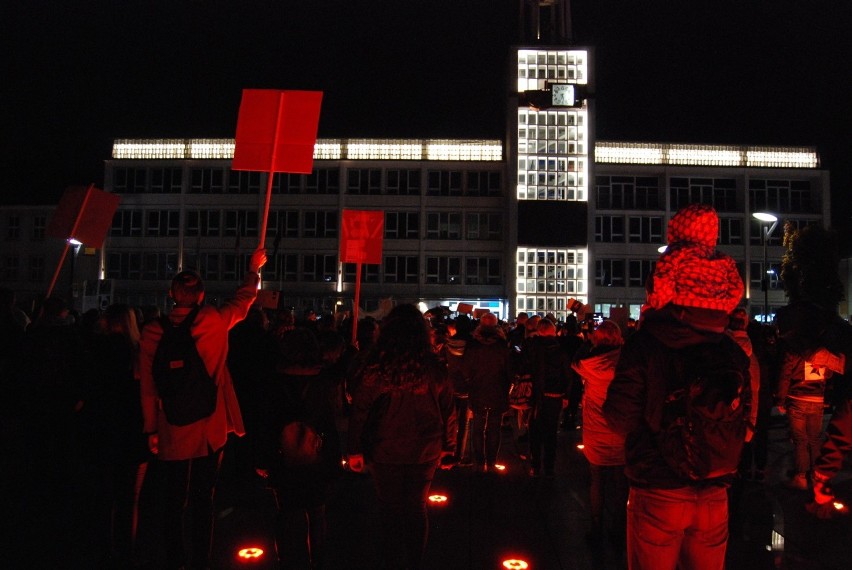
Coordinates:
x,y
691,272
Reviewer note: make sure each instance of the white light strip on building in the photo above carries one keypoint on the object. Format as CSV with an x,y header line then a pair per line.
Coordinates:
x,y
705,155
324,149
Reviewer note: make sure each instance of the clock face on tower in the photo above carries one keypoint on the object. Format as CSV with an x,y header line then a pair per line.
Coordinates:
x,y
562,94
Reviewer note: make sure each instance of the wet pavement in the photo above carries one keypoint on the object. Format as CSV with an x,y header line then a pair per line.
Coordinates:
x,y
489,518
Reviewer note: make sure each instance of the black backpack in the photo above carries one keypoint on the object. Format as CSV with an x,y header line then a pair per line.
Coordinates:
x,y
186,389
705,412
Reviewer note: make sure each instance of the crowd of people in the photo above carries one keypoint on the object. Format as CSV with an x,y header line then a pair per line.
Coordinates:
x,y
83,416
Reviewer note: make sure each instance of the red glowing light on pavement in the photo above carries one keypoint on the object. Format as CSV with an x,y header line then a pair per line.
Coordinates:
x,y
581,447
438,499
252,553
499,467
515,564
839,506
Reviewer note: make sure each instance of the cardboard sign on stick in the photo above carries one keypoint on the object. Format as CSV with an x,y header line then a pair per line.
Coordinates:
x,y
361,236
277,130
85,214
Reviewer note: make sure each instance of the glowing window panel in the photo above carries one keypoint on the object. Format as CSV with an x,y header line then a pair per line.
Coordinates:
x,y
553,162
705,155
547,277
324,149
539,67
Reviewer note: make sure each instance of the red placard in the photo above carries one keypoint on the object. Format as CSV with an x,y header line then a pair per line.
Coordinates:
x,y
90,209
361,236
277,130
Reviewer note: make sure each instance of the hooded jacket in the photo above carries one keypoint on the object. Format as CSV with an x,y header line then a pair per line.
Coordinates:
x,y
601,444
484,367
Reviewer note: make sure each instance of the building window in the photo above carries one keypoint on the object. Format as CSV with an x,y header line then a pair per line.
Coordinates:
x,y
323,181
730,231
610,273
483,184
241,223
287,183
36,268
781,196
369,272
127,223
403,182
443,270
39,228
402,225
207,181
128,180
443,225
721,193
243,182
166,180
645,229
484,226
638,272
401,269
482,271
609,229
364,181
158,266
207,223
11,267
283,223
444,183
13,227
321,223
162,223
320,267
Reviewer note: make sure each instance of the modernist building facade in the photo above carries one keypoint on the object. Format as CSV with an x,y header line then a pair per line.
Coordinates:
x,y
546,215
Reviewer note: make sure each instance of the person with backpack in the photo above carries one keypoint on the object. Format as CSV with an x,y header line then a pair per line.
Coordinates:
x,y
190,408
680,396
298,448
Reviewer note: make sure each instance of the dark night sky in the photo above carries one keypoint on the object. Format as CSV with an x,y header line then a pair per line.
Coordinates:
x,y
79,74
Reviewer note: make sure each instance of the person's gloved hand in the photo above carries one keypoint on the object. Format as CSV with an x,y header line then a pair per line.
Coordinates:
x,y
258,260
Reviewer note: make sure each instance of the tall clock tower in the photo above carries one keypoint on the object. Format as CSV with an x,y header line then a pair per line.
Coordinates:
x,y
550,154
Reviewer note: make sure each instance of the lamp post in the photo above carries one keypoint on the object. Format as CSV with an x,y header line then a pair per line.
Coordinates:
x,y
766,218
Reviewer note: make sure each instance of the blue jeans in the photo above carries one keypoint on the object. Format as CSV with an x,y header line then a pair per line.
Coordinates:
x,y
670,528
805,420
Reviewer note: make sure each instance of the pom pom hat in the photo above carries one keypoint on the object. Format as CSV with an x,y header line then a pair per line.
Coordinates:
x,y
691,273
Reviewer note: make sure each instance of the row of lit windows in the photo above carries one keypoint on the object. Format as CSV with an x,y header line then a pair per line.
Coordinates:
x,y
552,164
538,68
545,278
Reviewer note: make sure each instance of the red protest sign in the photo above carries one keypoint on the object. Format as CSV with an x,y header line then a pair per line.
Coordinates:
x,y
277,130
85,214
361,236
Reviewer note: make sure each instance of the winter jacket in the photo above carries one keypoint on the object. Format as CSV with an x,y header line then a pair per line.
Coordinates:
x,y
742,339
601,444
644,377
485,369
403,425
838,441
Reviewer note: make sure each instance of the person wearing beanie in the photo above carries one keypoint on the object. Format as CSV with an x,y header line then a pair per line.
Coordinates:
x,y
674,520
485,366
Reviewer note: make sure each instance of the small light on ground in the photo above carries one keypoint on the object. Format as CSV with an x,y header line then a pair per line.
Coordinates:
x,y
438,499
250,554
515,564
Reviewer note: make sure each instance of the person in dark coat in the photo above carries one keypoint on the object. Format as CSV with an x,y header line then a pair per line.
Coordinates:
x,y
672,520
403,424
484,366
299,392
551,372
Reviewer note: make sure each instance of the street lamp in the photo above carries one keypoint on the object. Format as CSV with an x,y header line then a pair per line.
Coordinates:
x,y
766,218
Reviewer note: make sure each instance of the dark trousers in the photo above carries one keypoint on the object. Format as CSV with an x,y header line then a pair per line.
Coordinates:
x,y
299,535
486,436
402,492
608,491
544,425
806,432
188,490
